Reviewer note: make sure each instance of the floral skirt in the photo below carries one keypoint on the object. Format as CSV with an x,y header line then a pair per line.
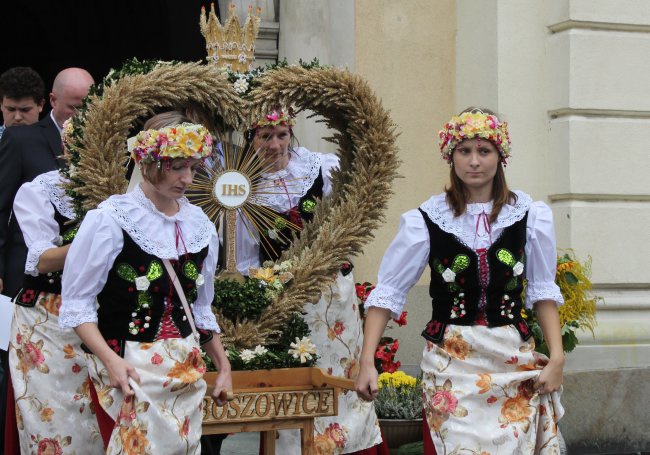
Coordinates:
x,y
479,397
336,330
50,383
165,414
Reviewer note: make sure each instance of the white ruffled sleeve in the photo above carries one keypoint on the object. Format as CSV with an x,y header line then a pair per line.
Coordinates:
x,y
202,308
87,264
402,265
35,215
541,256
330,163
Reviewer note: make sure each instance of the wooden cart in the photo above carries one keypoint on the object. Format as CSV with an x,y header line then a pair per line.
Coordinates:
x,y
270,400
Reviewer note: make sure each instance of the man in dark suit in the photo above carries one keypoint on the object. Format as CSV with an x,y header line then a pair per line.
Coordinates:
x,y
26,152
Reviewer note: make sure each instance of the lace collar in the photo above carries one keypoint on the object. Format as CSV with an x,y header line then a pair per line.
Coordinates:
x,y
441,214
299,176
146,225
52,183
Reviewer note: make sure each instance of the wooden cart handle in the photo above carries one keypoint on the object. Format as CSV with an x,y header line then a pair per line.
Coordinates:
x,y
320,378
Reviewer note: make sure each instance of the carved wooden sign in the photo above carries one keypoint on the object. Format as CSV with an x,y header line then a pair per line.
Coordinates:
x,y
271,405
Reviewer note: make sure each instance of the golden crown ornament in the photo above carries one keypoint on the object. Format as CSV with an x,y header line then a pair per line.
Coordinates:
x,y
230,45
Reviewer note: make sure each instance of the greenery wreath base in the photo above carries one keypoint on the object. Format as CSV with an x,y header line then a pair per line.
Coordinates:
x,y
342,225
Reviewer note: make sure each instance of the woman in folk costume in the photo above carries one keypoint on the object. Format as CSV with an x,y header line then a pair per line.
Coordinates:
x,y
143,257
48,369
296,180
485,387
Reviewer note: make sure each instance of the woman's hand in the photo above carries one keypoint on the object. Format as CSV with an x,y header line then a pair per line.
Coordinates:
x,y
551,377
366,383
222,386
119,372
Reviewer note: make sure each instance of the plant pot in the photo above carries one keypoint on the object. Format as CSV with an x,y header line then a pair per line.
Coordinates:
x,y
397,432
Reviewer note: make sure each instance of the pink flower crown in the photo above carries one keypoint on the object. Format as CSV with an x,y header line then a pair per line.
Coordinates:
x,y
187,140
469,125
276,117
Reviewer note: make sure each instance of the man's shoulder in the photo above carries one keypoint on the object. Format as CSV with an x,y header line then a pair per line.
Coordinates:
x,y
30,130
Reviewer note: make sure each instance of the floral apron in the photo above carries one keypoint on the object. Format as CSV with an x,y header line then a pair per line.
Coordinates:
x,y
165,414
50,383
336,330
479,397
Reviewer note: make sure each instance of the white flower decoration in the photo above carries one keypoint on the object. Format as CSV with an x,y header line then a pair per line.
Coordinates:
x,y
247,355
260,350
518,269
241,85
302,348
449,275
200,281
142,283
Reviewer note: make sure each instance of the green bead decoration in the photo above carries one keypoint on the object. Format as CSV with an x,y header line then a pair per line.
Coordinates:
x,y
69,235
144,297
510,285
191,270
461,262
438,266
191,295
126,272
155,271
308,206
506,257
279,223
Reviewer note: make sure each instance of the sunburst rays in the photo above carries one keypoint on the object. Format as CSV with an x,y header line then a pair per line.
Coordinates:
x,y
255,214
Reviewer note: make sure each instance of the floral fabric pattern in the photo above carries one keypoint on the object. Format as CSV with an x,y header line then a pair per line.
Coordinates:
x,y
479,397
165,415
336,330
50,382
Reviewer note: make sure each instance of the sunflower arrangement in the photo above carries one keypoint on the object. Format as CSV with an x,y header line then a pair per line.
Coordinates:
x,y
579,309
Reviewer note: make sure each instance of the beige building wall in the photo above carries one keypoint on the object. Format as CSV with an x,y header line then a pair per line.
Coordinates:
x,y
570,76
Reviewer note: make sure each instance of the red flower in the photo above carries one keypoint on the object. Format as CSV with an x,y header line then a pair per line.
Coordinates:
x,y
444,402
156,359
402,319
49,446
338,328
76,368
492,399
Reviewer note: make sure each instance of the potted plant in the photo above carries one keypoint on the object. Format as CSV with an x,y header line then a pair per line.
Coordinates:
x,y
399,408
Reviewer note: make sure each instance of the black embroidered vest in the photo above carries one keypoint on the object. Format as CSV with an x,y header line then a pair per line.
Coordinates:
x,y
139,297
272,248
47,282
458,294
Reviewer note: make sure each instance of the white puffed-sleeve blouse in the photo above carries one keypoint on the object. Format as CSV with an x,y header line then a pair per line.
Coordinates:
x,y
408,254
34,207
100,240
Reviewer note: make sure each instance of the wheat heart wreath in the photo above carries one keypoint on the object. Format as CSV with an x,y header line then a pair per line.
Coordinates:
x,y
362,129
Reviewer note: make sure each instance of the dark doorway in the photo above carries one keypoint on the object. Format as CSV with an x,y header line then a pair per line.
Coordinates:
x,y
97,35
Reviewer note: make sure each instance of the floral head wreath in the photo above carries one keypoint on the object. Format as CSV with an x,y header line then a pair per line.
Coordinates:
x,y
469,125
187,140
276,117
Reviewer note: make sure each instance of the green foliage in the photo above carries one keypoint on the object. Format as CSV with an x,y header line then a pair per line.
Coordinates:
x,y
402,401
274,358
295,328
240,301
414,448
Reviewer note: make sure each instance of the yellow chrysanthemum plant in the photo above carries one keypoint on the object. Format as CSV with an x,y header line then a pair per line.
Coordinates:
x,y
399,397
579,309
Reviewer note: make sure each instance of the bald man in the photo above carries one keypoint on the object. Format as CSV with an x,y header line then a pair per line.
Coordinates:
x,y
26,152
